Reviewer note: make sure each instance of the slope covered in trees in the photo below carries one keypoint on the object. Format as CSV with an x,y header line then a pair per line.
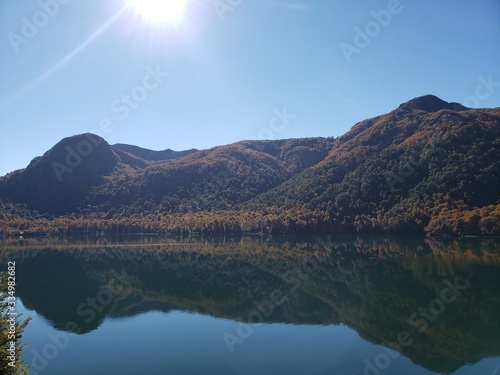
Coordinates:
x,y
414,169
428,166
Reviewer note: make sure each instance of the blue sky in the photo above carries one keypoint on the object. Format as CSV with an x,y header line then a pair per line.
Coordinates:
x,y
230,70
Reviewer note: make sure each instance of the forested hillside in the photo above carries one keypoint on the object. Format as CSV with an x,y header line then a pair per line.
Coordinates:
x,y
428,166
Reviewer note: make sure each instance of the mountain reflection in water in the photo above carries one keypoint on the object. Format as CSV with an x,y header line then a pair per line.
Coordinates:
x,y
444,297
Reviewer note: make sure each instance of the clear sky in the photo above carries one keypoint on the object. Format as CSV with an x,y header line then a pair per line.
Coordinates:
x,y
221,71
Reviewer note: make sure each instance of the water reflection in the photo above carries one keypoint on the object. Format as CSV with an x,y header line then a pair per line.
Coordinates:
x,y
435,302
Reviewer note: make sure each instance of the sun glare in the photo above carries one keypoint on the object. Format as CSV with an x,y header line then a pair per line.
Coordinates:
x,y
159,11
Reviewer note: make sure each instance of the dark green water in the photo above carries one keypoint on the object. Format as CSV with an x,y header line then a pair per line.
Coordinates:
x,y
260,306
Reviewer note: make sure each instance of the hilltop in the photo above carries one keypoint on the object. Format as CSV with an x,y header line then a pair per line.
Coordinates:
x,y
428,166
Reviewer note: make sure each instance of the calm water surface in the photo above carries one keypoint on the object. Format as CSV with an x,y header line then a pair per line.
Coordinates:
x,y
344,306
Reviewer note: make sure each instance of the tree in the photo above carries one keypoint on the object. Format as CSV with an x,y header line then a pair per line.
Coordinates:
x,y
8,336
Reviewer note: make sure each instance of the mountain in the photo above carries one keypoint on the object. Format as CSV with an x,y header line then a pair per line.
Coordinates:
x,y
403,171
218,178
150,155
430,103
428,166
84,172
59,180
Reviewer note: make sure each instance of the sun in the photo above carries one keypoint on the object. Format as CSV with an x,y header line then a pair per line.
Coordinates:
x,y
159,11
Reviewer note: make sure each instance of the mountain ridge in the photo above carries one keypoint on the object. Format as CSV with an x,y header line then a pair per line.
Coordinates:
x,y
152,155
427,166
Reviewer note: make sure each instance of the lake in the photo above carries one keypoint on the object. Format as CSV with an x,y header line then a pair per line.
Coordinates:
x,y
259,305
